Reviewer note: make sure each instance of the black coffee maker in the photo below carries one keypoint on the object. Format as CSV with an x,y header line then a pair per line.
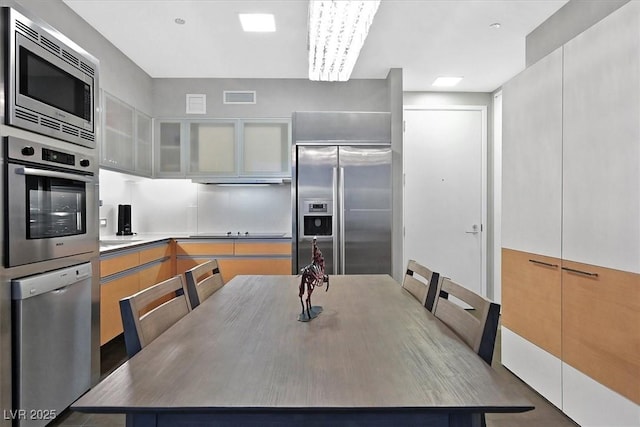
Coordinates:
x,y
124,220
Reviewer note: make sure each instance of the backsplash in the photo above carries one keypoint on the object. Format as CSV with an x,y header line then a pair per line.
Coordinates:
x,y
180,206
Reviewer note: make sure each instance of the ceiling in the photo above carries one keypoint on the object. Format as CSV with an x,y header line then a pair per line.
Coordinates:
x,y
426,38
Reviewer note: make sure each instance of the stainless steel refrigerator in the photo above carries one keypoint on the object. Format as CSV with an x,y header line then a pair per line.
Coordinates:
x,y
341,191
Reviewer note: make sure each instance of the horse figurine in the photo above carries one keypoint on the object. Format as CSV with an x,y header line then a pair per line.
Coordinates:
x,y
312,276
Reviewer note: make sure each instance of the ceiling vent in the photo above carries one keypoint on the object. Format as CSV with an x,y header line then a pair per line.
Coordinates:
x,y
196,103
239,96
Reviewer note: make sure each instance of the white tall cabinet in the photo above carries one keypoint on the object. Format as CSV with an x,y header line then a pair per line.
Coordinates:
x,y
571,224
531,226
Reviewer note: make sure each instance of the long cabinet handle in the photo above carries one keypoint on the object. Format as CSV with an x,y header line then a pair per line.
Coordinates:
x,y
584,273
546,264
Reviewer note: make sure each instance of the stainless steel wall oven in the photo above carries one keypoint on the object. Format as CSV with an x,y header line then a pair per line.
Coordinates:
x,y
50,195
50,83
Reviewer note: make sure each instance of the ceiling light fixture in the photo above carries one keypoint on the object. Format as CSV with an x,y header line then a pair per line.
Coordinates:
x,y
257,22
337,31
179,21
446,81
495,25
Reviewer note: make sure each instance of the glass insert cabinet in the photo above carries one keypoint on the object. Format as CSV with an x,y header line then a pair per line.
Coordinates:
x,y
222,148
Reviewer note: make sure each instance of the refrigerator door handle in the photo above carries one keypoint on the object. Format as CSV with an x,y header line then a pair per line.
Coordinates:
x,y
341,219
334,220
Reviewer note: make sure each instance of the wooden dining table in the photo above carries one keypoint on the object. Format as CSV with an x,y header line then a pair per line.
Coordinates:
x,y
373,357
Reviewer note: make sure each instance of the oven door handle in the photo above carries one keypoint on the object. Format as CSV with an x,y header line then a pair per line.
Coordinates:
x,y
52,174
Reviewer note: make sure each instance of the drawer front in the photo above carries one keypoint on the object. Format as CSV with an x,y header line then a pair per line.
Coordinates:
x,y
531,298
207,249
601,325
155,253
229,268
118,263
155,274
263,248
110,294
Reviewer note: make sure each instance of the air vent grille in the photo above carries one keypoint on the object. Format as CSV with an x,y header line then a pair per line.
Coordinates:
x,y
71,58
69,130
239,96
88,136
88,69
25,115
50,45
27,31
49,123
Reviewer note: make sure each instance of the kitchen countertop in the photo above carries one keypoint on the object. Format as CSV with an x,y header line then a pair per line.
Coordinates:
x,y
112,243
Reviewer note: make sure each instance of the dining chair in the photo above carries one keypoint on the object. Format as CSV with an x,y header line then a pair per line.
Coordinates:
x,y
202,281
476,326
141,329
422,283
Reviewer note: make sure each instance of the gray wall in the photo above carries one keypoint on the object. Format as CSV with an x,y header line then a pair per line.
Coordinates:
x,y
572,19
274,97
118,74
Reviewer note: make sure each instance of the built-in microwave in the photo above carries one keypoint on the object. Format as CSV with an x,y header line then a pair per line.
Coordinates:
x,y
50,84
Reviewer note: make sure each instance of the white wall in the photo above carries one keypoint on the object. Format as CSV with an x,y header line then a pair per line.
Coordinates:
x,y
177,206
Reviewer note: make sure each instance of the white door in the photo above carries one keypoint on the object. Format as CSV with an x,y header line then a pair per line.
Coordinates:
x,y
444,192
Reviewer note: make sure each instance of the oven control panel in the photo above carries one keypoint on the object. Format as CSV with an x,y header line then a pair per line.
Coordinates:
x,y
24,150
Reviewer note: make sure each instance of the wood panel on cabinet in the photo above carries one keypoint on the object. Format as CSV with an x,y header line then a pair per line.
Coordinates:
x,y
155,253
204,248
263,248
531,298
111,293
238,266
601,325
112,265
155,273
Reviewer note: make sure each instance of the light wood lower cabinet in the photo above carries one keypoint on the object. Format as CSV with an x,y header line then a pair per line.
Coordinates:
x,y
531,298
236,257
111,293
572,331
124,274
601,325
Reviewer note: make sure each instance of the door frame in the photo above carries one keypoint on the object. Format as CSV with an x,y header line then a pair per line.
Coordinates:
x,y
484,229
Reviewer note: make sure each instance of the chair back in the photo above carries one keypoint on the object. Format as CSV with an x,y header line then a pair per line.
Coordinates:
x,y
141,329
422,283
202,281
477,327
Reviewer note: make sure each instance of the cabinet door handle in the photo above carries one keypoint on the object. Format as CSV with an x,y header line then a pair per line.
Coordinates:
x,y
546,264
584,273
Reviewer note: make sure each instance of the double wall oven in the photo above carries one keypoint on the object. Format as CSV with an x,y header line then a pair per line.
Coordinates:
x,y
51,195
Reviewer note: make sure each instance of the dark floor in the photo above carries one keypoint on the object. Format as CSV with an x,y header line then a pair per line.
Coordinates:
x,y
544,414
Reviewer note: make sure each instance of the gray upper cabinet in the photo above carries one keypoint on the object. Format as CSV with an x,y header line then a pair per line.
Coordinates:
x,y
126,140
265,148
223,150
144,145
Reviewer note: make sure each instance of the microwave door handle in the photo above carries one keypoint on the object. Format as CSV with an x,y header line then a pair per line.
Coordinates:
x,y
52,174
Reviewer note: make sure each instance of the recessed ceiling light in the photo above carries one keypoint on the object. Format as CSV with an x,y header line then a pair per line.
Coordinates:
x,y
179,21
495,25
446,81
257,22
